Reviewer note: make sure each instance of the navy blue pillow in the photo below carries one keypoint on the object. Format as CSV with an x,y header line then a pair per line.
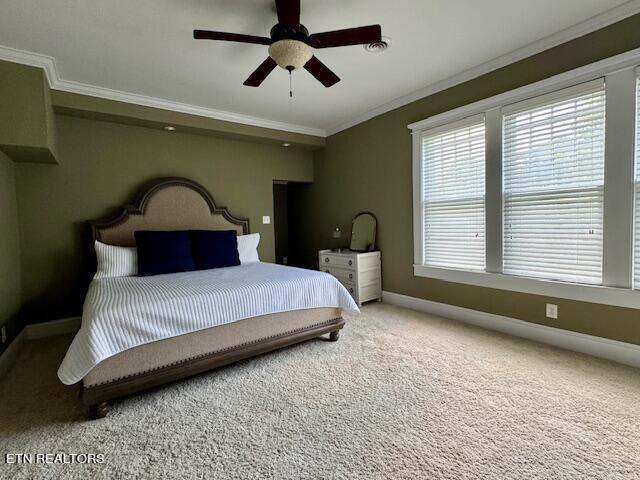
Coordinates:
x,y
163,252
215,249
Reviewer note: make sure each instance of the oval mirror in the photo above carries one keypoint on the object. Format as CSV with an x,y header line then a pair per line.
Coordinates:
x,y
363,232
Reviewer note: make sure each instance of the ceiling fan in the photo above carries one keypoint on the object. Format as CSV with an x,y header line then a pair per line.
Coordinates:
x,y
290,44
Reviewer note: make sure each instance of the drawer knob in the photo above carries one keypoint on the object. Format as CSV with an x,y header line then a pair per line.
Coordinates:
x,y
351,276
326,260
350,290
350,262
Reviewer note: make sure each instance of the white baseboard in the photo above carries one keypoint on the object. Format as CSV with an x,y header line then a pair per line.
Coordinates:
x,y
35,331
52,328
621,352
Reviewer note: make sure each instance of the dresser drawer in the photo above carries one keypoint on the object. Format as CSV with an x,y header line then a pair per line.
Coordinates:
x,y
340,261
358,272
341,274
351,288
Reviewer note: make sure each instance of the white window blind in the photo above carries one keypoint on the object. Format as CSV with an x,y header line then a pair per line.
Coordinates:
x,y
453,191
636,263
553,176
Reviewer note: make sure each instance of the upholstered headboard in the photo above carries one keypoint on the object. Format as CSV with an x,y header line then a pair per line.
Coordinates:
x,y
167,204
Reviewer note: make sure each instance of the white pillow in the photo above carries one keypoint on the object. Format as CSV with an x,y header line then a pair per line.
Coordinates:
x,y
115,261
248,248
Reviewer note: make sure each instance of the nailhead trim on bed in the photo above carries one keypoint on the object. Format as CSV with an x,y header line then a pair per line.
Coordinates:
x,y
235,347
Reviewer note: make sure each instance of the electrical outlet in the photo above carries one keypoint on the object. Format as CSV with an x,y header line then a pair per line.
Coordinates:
x,y
4,334
552,311
266,220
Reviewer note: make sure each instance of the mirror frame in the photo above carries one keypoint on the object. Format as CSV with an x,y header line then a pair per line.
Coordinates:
x,y
375,232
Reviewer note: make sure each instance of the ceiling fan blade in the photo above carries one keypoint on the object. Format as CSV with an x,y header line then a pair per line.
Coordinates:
x,y
322,73
260,73
230,37
288,12
343,38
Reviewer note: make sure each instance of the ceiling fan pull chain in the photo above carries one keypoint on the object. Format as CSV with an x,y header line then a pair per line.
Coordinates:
x,y
290,45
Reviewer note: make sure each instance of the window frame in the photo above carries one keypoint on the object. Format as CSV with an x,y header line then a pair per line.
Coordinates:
x,y
620,76
461,124
635,257
544,101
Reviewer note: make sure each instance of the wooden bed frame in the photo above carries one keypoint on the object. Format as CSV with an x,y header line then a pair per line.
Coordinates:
x,y
118,230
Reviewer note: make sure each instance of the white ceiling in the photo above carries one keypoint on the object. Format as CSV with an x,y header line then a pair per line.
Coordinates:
x,y
145,47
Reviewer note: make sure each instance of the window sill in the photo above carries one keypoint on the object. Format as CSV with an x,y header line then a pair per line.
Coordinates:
x,y
620,297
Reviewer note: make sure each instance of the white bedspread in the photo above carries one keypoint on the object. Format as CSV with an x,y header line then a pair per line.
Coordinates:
x,y
121,313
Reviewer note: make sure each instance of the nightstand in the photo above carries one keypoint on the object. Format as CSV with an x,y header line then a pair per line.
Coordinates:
x,y
359,272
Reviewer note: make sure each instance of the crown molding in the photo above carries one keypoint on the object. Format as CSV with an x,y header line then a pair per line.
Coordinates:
x,y
577,77
56,82
47,63
136,99
588,26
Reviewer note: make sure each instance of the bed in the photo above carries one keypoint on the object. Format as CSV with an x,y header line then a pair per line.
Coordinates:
x,y
141,332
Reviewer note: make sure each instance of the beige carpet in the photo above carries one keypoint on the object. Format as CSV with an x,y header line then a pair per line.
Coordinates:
x,y
402,395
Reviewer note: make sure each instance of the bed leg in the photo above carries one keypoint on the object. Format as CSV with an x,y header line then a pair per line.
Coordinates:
x,y
99,410
334,336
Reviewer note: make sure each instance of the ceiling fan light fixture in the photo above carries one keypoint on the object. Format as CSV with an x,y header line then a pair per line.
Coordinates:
x,y
290,53
290,45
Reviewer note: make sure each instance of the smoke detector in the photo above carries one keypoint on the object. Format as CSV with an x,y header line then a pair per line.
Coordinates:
x,y
378,47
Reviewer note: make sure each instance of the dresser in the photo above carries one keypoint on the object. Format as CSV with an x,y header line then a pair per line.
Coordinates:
x,y
359,272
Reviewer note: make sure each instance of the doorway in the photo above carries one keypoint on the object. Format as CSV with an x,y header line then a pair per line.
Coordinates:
x,y
281,221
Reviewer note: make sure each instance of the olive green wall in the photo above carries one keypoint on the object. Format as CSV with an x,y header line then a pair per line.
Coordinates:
x,y
95,108
368,167
9,245
102,165
27,126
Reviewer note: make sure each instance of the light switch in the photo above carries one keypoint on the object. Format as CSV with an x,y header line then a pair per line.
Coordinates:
x,y
266,220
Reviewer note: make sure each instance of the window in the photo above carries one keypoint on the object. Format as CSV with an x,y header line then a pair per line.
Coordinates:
x,y
636,269
553,188
453,190
536,190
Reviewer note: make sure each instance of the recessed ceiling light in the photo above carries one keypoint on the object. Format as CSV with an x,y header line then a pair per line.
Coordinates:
x,y
286,144
170,128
